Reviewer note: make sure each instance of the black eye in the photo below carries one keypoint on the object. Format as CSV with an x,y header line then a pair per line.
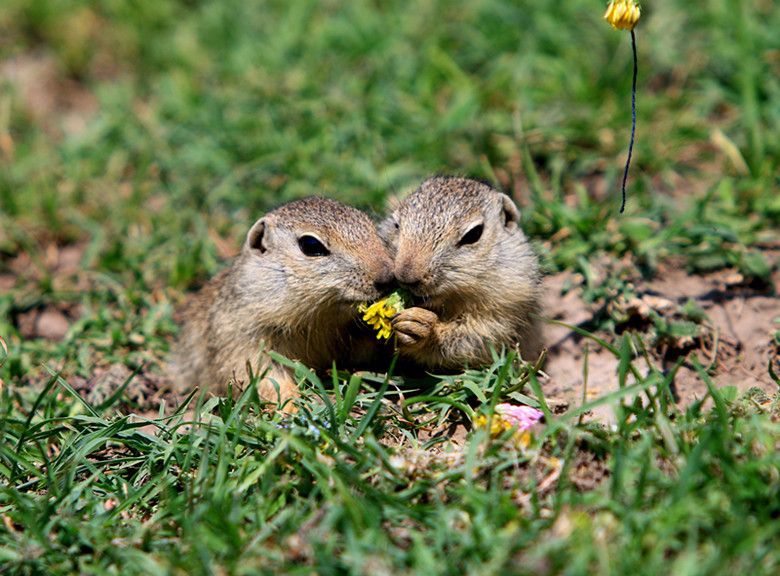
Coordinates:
x,y
311,246
395,223
472,236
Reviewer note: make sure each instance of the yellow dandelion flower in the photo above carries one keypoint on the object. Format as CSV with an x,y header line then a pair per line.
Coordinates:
x,y
378,314
623,14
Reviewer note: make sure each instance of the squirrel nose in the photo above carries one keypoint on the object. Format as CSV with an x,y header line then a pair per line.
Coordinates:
x,y
385,279
408,277
410,270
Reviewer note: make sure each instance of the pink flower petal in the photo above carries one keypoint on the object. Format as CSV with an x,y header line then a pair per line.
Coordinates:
x,y
524,417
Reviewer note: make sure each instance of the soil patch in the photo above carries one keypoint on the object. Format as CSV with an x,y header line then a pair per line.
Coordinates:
x,y
739,324
144,393
48,322
53,100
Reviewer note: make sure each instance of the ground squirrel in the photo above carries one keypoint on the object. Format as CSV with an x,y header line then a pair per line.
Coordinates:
x,y
293,289
459,250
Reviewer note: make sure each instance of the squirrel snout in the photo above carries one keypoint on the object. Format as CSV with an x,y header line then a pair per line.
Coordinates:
x,y
408,276
409,282
384,279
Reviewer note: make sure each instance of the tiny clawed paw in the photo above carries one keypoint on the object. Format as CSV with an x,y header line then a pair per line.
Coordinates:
x,y
405,339
414,325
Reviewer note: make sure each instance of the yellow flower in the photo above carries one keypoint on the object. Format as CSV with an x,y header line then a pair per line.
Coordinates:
x,y
622,14
511,417
497,427
378,314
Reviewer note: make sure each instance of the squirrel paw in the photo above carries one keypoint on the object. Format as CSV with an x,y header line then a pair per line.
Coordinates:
x,y
414,326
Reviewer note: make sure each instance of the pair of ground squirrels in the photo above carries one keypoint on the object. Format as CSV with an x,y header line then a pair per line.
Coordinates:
x,y
454,244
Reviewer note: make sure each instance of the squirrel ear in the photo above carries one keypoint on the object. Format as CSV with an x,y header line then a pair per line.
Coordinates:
x,y
254,239
393,202
510,212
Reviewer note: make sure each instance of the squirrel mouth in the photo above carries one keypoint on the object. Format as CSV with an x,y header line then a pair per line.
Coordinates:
x,y
416,291
429,295
422,298
357,297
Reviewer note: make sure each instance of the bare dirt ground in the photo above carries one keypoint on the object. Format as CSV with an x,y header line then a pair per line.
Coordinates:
x,y
56,102
739,325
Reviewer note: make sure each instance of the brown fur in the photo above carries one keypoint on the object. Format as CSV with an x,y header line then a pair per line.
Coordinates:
x,y
471,296
274,297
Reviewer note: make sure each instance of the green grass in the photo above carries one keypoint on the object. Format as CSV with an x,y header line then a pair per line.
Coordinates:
x,y
345,487
209,113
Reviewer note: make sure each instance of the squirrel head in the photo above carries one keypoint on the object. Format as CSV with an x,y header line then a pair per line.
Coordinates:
x,y
450,236
314,253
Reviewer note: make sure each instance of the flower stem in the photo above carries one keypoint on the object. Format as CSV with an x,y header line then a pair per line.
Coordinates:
x,y
633,124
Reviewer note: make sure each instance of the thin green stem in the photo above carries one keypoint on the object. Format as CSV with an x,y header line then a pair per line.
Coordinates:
x,y
633,124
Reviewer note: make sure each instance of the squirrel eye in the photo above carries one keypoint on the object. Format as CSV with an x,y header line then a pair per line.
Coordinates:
x,y
311,246
472,236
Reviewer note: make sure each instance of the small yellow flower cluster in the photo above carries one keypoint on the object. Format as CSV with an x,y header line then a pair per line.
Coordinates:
x,y
512,417
497,427
378,317
622,14
521,438
378,314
